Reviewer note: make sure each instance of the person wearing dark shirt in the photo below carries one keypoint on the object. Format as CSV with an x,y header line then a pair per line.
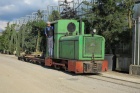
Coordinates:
x,y
49,36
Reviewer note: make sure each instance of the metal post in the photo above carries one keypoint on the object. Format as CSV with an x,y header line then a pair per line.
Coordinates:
x,y
33,14
23,22
48,10
22,18
134,44
138,40
73,4
44,14
28,18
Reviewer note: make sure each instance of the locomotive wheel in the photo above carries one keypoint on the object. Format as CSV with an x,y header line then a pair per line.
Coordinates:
x,y
42,64
65,68
56,67
18,58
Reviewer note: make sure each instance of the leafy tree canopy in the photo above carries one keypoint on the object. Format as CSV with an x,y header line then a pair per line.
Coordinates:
x,y
54,16
110,17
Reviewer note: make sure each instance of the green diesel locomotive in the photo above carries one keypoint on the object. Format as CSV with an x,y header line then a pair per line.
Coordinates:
x,y
74,50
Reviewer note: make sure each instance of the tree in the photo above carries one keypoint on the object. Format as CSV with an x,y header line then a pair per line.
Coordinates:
x,y
128,5
6,36
39,26
1,43
26,39
13,39
30,35
54,16
110,18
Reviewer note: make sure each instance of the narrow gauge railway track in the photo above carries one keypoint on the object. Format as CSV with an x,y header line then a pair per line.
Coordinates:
x,y
126,83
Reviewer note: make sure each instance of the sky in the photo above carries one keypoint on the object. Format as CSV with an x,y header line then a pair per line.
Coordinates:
x,y
14,9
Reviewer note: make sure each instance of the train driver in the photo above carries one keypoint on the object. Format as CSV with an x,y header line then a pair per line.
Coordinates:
x,y
49,32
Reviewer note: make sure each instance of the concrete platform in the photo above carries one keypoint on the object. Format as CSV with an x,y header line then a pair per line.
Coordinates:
x,y
121,76
134,69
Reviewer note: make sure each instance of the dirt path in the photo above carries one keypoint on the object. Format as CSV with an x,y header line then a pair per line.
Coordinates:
x,y
21,77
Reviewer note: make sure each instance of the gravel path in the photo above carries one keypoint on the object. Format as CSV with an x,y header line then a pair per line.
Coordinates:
x,y
22,77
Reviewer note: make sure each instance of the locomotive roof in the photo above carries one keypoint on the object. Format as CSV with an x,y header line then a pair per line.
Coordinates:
x,y
137,1
53,22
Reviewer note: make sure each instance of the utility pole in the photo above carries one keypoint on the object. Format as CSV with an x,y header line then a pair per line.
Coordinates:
x,y
34,16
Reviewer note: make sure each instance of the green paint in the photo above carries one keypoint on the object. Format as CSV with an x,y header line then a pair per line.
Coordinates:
x,y
76,46
60,30
82,47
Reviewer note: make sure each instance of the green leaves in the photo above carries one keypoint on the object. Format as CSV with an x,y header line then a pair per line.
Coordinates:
x,y
40,14
54,16
29,37
112,19
109,17
38,24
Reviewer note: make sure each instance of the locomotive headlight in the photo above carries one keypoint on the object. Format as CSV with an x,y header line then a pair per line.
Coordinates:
x,y
94,30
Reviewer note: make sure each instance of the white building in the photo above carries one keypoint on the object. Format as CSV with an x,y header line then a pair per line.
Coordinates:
x,y
135,67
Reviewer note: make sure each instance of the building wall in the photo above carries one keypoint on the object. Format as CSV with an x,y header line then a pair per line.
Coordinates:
x,y
135,67
136,35
136,10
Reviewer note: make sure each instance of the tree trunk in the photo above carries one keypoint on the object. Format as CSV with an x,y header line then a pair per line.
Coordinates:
x,y
38,41
130,21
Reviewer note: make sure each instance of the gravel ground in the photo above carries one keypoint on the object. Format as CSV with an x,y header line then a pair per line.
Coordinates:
x,y
22,77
